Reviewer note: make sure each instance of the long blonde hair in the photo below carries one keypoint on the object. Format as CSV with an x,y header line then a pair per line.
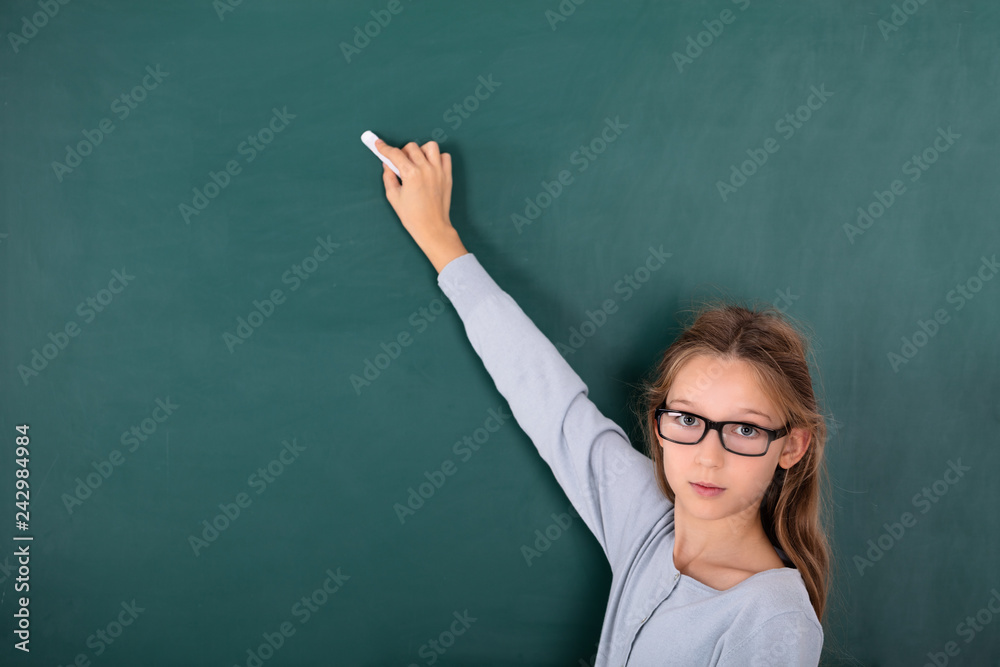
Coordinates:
x,y
796,503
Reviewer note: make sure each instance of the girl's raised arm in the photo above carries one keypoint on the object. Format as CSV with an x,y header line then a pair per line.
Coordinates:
x,y
609,483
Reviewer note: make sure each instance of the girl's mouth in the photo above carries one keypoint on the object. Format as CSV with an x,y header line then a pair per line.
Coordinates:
x,y
706,491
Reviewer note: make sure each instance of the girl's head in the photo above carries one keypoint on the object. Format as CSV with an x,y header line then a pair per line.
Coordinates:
x,y
736,364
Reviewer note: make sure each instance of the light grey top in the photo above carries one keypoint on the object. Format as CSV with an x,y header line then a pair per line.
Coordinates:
x,y
655,615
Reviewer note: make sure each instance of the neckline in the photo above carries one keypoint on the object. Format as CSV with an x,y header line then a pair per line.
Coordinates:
x,y
706,587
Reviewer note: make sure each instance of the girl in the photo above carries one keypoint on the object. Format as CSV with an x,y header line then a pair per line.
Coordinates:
x,y
716,548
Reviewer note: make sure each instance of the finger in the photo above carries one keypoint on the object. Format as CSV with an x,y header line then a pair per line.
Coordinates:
x,y
446,167
432,152
396,156
415,154
391,183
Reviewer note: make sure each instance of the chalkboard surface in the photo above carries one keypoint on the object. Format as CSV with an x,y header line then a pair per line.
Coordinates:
x,y
256,431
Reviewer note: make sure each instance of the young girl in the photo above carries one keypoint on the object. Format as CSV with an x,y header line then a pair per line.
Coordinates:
x,y
716,548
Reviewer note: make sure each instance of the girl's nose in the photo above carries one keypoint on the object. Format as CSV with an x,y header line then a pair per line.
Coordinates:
x,y
710,450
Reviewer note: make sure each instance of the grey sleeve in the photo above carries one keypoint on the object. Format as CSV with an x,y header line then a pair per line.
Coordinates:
x,y
610,484
790,639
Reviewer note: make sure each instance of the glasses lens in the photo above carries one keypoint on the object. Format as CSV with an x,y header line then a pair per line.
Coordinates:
x,y
681,427
744,438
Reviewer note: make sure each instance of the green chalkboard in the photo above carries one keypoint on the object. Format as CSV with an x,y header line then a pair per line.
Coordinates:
x,y
236,367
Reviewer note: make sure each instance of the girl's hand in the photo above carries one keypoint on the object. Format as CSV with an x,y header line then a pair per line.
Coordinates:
x,y
423,200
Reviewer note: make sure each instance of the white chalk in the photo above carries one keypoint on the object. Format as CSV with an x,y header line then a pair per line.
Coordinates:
x,y
369,139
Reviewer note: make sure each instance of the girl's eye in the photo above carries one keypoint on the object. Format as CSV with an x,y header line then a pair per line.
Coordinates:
x,y
746,430
688,420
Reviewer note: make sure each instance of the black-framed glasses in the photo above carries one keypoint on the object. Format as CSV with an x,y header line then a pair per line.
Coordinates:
x,y
743,438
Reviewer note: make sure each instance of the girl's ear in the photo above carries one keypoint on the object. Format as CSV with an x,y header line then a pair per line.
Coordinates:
x,y
795,449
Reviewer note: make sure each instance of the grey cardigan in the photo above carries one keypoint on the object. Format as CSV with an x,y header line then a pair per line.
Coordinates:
x,y
655,615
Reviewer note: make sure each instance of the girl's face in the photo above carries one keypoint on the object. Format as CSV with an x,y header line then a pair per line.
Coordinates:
x,y
724,390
